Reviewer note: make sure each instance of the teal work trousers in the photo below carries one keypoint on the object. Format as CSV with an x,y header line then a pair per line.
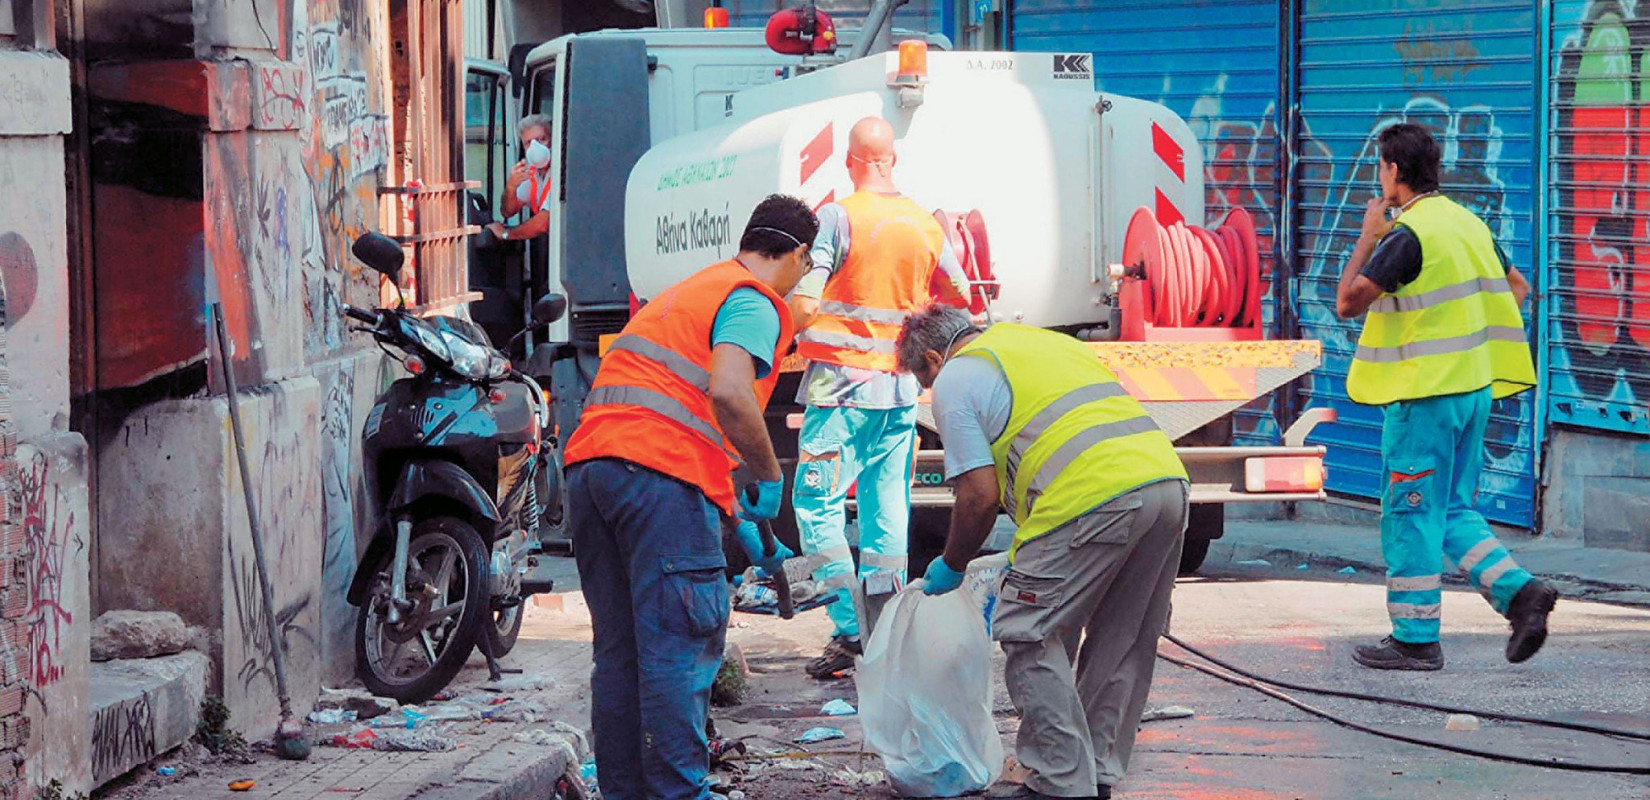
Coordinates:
x,y
1432,453
840,445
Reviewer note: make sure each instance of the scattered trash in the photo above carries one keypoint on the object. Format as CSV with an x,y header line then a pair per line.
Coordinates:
x,y
736,795
413,742
739,623
1167,712
581,745
166,772
1254,562
1303,566
721,750
516,711
1348,570
365,705
518,683
331,716
1461,722
838,708
361,738
853,778
442,697
449,712
538,736
242,786
587,773
814,735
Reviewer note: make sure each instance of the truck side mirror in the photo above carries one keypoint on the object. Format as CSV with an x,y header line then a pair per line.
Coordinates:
x,y
548,309
381,253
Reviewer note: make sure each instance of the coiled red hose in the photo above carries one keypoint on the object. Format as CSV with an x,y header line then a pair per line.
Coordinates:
x,y
1197,278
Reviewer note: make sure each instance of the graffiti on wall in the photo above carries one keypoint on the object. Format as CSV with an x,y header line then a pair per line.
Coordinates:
x,y
123,734
1601,344
49,533
338,511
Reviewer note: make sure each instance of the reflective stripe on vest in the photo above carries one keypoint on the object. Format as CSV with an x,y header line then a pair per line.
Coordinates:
x,y
668,407
1392,304
862,313
1074,447
667,358
1082,395
1438,347
864,344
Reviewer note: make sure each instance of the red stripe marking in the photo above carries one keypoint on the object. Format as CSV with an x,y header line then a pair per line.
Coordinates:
x,y
1169,151
814,155
1167,214
830,197
1186,381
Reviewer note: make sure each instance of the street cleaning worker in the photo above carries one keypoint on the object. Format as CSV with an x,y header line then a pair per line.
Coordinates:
x,y
1444,339
873,259
1033,423
676,405
528,185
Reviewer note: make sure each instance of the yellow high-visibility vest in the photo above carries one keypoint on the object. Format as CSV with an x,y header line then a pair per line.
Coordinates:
x,y
1456,328
1075,439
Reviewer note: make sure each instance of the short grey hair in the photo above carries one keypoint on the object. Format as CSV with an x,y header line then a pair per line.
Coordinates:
x,y
533,121
933,328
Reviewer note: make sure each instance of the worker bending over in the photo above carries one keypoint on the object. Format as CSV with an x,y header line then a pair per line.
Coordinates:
x,y
676,404
873,259
1443,340
1033,422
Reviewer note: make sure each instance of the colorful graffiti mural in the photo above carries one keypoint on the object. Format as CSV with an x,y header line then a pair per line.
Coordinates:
x,y
1600,329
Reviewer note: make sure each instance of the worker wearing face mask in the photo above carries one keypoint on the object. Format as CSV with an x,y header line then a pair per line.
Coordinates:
x,y
528,187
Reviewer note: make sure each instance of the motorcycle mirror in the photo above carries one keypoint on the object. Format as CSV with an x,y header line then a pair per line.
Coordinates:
x,y
381,253
548,309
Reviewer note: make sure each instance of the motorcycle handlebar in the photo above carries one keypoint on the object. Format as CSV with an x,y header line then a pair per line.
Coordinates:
x,y
360,314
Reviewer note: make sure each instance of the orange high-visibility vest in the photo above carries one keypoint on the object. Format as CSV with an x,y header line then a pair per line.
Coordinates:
x,y
650,404
537,192
894,247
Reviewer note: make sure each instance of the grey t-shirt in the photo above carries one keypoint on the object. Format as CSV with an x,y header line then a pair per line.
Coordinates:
x,y
972,402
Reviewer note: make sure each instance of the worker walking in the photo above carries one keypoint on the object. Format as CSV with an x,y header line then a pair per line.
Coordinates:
x,y
676,404
873,259
1444,338
1033,422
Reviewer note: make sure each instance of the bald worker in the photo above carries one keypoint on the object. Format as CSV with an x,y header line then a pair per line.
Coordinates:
x,y
873,259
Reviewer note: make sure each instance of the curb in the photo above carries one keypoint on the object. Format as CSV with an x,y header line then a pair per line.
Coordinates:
x,y
497,775
1285,558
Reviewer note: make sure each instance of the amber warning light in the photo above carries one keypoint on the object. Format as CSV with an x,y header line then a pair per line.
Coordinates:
x,y
913,61
716,17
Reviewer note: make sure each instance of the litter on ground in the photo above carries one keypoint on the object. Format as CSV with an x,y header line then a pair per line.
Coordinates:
x,y
837,708
814,735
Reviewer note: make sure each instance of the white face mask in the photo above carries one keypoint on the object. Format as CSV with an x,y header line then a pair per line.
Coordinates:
x,y
538,155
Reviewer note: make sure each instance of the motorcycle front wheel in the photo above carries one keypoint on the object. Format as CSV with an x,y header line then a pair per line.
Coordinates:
x,y
447,591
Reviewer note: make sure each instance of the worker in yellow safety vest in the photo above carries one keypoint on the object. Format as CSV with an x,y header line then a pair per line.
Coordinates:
x,y
1034,423
1443,340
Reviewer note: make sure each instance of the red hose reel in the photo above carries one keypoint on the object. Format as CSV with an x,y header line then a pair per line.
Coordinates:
x,y
1185,283
973,249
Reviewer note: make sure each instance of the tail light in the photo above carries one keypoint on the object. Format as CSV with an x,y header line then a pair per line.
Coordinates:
x,y
414,365
1284,474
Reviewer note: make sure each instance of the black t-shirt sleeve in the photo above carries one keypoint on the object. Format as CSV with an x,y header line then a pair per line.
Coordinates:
x,y
1396,260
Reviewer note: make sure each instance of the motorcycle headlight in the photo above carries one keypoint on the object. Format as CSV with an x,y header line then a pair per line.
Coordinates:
x,y
474,361
429,339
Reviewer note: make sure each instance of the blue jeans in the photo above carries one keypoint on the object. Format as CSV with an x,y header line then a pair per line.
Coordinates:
x,y
649,550
1432,451
840,445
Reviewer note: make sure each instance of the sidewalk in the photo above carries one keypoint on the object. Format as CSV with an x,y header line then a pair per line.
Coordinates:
x,y
1610,576
489,762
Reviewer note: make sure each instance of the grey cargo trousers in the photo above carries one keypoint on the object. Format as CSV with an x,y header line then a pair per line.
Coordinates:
x,y
1094,595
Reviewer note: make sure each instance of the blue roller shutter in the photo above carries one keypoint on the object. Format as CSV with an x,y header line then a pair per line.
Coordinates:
x,y
1467,70
1213,63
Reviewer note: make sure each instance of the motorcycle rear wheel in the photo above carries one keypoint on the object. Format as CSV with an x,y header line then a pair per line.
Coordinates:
x,y
447,583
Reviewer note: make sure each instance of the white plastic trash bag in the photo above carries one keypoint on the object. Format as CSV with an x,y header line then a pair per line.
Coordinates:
x,y
925,695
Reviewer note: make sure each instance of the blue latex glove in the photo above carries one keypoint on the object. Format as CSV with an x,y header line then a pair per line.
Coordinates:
x,y
760,500
750,539
940,578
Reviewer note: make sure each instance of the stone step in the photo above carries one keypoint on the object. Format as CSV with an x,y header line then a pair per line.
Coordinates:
x,y
142,708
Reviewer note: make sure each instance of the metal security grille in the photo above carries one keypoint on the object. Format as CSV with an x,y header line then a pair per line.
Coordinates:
x,y
1467,71
1598,276
1214,64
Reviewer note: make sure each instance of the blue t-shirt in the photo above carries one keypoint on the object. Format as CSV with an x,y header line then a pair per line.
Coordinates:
x,y
972,404
749,321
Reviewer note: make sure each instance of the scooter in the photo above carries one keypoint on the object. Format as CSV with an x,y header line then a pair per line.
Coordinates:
x,y
457,459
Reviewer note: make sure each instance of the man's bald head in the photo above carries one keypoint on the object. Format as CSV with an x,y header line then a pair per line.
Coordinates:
x,y
871,154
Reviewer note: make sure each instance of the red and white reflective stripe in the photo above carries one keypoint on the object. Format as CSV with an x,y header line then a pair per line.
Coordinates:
x,y
1171,175
812,181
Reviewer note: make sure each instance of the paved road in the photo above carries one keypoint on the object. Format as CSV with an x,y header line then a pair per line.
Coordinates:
x,y
1241,746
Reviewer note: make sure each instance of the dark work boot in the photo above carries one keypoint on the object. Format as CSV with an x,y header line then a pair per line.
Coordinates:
x,y
1528,614
1393,654
838,656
